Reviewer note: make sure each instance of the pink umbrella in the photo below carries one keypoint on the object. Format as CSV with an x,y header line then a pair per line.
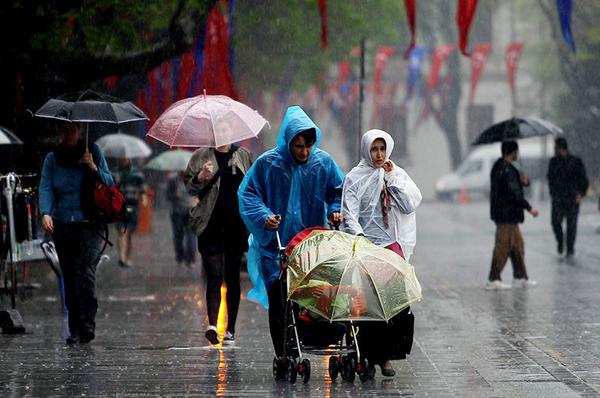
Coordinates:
x,y
206,121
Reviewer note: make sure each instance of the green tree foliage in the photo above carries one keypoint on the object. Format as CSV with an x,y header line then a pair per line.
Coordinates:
x,y
55,46
274,37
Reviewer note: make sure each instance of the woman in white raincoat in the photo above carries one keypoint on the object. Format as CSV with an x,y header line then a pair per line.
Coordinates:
x,y
379,202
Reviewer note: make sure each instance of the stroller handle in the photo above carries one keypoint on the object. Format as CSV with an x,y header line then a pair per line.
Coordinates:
x,y
279,247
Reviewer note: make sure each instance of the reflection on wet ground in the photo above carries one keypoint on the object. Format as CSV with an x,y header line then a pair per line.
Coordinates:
x,y
469,342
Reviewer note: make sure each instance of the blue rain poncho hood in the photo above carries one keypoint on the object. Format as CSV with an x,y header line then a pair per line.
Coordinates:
x,y
304,194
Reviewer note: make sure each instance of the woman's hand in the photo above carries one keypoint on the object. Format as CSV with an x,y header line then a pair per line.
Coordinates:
x,y
88,159
388,166
207,172
48,224
335,219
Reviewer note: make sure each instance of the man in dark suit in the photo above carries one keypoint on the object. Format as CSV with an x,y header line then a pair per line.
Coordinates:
x,y
568,185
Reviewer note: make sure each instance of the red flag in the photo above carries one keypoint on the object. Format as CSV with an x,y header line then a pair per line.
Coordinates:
x,y
410,6
512,56
154,93
344,72
481,51
439,56
186,68
323,14
111,82
166,85
216,72
464,17
382,57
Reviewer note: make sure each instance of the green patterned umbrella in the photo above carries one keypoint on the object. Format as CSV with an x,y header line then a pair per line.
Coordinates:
x,y
344,277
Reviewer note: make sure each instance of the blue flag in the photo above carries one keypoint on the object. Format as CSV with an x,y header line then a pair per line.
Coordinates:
x,y
564,13
415,59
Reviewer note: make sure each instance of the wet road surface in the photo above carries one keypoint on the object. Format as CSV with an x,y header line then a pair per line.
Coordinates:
x,y
543,341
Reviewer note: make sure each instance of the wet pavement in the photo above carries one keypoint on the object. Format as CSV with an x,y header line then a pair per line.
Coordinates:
x,y
543,341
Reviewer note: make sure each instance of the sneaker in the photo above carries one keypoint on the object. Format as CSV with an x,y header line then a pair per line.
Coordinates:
x,y
522,282
496,285
229,338
211,335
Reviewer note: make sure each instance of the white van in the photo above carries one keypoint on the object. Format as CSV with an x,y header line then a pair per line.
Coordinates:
x,y
473,175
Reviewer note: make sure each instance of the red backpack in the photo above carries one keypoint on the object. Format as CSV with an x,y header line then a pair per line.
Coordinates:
x,y
109,202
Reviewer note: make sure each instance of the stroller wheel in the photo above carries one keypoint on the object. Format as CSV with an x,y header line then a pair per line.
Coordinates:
x,y
348,366
279,369
292,372
333,368
365,370
304,370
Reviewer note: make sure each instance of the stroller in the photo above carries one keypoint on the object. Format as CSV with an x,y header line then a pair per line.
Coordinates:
x,y
307,333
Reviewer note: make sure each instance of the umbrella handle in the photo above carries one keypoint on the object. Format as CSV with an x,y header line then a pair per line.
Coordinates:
x,y
87,138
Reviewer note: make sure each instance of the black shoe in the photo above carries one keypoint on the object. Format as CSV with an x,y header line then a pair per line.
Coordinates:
x,y
87,336
389,372
211,335
559,248
570,253
124,264
73,339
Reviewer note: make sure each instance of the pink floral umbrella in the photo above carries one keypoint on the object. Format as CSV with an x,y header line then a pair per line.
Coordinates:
x,y
206,121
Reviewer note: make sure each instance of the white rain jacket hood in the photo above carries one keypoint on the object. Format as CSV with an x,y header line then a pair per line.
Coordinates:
x,y
361,199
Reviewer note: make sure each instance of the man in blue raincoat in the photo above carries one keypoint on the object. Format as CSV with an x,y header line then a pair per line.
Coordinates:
x,y
293,186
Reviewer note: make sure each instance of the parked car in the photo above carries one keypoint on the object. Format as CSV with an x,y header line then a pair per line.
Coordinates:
x,y
472,177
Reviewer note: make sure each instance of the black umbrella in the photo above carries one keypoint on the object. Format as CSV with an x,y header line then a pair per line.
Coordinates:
x,y
90,107
517,128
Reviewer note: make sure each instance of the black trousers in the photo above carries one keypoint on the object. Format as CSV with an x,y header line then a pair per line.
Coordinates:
x,y
222,266
78,246
383,341
560,211
276,316
184,239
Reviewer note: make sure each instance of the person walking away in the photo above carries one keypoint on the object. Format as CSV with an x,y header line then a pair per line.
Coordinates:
x,y
379,202
213,175
568,184
77,239
289,188
184,240
130,181
507,201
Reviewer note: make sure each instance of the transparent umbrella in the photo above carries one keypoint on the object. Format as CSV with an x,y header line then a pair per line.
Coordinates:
x,y
344,277
176,160
206,121
123,146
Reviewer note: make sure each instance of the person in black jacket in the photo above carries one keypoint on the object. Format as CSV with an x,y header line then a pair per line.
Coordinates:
x,y
568,184
507,202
